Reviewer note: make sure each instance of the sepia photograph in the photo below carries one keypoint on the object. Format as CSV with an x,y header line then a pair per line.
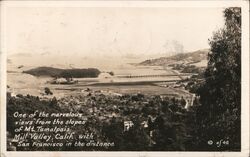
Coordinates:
x,y
111,77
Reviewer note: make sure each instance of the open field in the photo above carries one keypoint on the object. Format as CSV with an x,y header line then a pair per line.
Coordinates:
x,y
125,89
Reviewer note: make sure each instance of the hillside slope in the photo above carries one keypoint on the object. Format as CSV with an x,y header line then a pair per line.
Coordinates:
x,y
198,58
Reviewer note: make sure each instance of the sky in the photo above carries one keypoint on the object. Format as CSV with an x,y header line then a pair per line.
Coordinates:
x,y
109,31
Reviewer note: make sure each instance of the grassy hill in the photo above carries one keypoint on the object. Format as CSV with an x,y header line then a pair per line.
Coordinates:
x,y
195,57
56,72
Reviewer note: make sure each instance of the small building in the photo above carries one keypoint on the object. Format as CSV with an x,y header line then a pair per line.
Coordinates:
x,y
63,81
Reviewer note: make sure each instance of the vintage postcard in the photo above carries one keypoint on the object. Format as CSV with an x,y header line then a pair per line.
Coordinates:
x,y
124,78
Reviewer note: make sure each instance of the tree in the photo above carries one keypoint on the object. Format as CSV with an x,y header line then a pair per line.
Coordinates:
x,y
183,102
220,95
47,91
53,101
111,73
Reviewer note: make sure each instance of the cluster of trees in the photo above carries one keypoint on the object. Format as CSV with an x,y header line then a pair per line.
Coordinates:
x,y
80,73
65,73
219,116
165,119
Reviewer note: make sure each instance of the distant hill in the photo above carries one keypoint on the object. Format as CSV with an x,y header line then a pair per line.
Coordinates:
x,y
195,57
56,72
